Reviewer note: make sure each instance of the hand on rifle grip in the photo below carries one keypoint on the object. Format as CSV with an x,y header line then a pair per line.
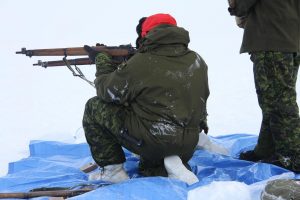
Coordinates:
x,y
231,3
92,53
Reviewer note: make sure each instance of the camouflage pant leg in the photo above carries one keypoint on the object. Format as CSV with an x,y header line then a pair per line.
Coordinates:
x,y
275,75
265,145
102,123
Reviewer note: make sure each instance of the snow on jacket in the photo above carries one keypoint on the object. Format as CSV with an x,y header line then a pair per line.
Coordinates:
x,y
164,89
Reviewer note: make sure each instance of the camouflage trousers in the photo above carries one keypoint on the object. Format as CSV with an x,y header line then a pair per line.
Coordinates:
x,y
275,75
102,124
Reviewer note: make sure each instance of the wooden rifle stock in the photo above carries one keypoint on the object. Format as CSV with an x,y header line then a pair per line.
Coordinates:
x,y
77,61
122,50
119,54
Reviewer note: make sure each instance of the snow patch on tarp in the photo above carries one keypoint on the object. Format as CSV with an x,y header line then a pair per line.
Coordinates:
x,y
56,164
233,190
157,188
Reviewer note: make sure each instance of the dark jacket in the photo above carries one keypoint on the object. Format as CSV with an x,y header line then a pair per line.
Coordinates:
x,y
164,88
272,25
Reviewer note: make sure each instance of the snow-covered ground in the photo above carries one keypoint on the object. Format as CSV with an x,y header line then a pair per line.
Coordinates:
x,y
233,190
38,103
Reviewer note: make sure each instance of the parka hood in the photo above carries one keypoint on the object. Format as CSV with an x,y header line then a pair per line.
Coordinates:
x,y
166,38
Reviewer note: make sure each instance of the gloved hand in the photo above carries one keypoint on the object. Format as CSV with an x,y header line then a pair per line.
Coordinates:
x,y
204,126
92,53
231,8
231,3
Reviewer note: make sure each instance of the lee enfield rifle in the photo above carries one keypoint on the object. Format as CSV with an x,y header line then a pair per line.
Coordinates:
x,y
119,54
54,193
59,192
118,51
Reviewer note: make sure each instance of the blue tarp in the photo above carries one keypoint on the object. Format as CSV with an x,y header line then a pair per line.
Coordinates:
x,y
56,164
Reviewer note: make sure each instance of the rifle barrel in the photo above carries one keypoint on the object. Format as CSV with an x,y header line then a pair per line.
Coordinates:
x,y
123,50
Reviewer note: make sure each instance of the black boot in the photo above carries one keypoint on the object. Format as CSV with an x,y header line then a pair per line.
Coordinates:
x,y
249,156
272,160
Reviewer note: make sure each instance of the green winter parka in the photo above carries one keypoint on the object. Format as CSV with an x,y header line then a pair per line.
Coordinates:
x,y
272,25
164,89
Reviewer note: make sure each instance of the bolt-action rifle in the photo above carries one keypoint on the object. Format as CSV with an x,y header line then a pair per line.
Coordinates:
x,y
119,54
55,193
58,192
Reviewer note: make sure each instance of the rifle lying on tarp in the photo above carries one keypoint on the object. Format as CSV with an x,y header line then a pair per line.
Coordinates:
x,y
53,193
119,54
63,192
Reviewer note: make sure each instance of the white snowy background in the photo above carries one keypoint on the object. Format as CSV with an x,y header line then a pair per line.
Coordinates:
x,y
48,104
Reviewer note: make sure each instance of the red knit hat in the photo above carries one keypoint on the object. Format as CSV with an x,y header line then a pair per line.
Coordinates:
x,y
155,20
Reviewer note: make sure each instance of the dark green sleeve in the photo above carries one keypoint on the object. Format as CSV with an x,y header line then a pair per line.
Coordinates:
x,y
242,7
114,86
104,64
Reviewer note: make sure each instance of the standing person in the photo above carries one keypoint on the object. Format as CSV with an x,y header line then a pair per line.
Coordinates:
x,y
272,38
154,104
